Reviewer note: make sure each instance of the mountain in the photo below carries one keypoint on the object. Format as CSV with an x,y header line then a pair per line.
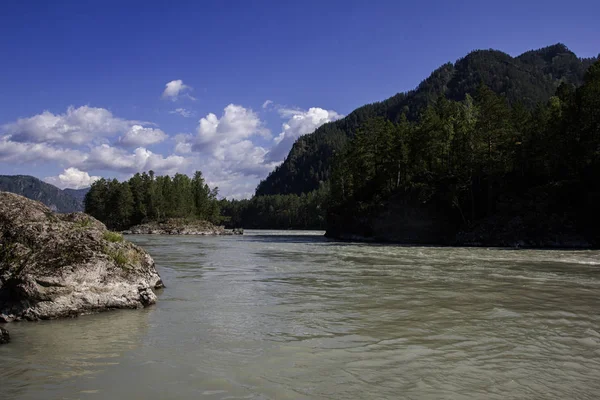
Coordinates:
x,y
35,189
78,194
479,171
529,79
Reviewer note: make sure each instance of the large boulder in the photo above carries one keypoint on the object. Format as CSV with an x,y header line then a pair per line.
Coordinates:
x,y
63,265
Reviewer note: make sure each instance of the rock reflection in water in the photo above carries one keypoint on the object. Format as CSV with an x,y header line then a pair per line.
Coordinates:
x,y
64,351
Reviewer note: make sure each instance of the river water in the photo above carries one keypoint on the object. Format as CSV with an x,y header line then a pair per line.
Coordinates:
x,y
291,315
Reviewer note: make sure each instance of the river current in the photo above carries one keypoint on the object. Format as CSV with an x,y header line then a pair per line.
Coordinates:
x,y
292,315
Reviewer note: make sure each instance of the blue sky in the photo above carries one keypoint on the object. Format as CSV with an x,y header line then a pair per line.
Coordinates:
x,y
83,84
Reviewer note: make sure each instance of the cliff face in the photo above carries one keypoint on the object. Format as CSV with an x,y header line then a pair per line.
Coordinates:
x,y
63,265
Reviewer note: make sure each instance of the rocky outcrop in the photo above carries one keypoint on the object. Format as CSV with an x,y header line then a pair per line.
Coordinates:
x,y
63,265
4,336
181,227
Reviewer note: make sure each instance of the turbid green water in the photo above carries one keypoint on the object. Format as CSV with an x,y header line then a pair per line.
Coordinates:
x,y
274,315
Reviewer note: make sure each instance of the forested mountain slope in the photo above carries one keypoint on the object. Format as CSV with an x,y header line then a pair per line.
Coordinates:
x,y
480,171
529,79
35,189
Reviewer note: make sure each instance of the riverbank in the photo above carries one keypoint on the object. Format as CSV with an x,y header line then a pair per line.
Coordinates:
x,y
514,224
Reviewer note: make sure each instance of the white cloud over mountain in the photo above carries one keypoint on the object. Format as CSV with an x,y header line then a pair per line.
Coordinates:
x,y
72,178
301,122
234,150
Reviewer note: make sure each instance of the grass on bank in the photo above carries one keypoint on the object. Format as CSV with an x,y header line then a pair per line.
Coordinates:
x,y
113,237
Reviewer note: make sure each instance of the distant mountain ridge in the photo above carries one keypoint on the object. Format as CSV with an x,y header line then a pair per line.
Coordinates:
x,y
78,194
529,78
63,201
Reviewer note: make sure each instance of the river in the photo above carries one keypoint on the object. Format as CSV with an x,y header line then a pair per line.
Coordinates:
x,y
291,315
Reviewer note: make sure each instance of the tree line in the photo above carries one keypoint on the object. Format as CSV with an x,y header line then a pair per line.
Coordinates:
x,y
146,197
288,211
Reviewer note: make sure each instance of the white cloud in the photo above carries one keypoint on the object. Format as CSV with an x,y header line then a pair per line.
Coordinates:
x,y
234,150
72,178
267,103
59,140
19,153
137,136
105,157
227,152
183,143
77,126
183,112
286,112
300,123
235,125
176,88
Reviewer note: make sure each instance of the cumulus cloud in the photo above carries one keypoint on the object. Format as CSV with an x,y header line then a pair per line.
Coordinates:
x,y
227,151
267,103
72,178
301,122
77,126
66,140
19,153
137,136
232,185
234,149
110,158
236,124
183,112
183,143
176,88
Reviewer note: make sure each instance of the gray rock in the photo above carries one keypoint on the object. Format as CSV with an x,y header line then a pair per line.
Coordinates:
x,y
176,226
64,265
4,336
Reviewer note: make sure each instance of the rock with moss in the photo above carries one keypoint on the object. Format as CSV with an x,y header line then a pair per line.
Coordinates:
x,y
181,226
64,265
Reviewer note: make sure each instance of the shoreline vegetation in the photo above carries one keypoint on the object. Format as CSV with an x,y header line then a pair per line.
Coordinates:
x,y
160,205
